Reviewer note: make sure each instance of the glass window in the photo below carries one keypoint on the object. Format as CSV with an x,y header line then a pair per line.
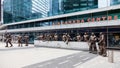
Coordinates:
x,y
114,37
37,24
44,23
114,13
84,18
72,19
115,2
99,16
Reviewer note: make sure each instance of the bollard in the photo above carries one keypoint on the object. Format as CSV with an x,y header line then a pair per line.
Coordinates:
x,y
111,56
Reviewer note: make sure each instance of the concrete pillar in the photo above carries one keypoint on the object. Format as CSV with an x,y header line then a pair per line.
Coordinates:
x,y
111,56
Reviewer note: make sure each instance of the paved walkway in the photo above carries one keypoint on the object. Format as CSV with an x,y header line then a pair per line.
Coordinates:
x,y
100,62
15,46
69,61
18,57
39,57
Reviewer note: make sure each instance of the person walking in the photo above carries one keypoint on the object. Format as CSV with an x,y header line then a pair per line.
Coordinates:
x,y
19,41
8,40
26,38
102,45
68,38
92,46
86,37
64,37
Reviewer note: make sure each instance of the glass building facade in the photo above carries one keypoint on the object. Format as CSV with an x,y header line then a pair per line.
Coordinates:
x,y
40,8
54,7
115,2
16,10
22,10
78,5
34,9
85,18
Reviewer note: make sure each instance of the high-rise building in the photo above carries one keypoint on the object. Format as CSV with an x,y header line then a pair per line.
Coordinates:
x,y
17,10
115,2
40,6
54,7
78,5
24,10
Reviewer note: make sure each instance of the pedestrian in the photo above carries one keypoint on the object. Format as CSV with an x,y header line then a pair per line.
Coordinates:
x,y
19,41
86,37
56,37
8,40
68,38
78,37
92,45
26,38
64,37
102,45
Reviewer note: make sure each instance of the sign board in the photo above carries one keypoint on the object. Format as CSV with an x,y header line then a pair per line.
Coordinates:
x,y
83,20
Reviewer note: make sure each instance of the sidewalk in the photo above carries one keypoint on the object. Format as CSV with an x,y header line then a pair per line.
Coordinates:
x,y
102,62
15,46
17,57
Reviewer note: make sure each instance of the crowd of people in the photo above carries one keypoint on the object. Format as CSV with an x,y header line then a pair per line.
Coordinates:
x,y
20,39
91,39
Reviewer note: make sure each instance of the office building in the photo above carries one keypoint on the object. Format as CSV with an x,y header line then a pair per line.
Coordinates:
x,y
67,16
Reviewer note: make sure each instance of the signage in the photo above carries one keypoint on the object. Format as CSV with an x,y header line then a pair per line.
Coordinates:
x,y
87,20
